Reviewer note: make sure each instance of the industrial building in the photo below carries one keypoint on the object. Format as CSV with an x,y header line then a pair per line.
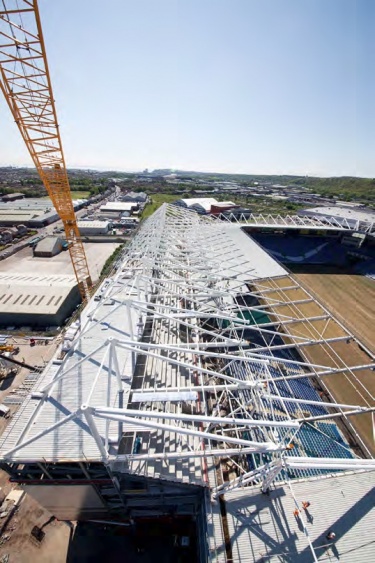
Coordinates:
x,y
36,301
222,207
31,212
207,205
88,228
118,207
12,197
48,247
135,197
201,205
192,395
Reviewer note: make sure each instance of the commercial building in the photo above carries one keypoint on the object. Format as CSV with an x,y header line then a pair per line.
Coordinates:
x,y
222,206
118,207
32,212
48,247
12,197
135,197
201,205
88,228
192,398
36,301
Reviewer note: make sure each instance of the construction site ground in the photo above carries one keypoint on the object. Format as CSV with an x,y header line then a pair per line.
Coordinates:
x,y
24,262
15,526
349,387
16,540
37,355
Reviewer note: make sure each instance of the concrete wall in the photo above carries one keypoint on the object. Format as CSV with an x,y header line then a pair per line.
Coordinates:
x,y
69,502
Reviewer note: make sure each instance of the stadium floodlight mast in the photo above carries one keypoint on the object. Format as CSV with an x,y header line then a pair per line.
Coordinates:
x,y
161,278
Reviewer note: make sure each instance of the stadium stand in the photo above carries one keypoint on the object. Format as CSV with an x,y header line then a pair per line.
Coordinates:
x,y
366,268
304,250
318,439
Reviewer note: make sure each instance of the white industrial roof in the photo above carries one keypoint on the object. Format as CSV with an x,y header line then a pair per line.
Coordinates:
x,y
223,203
47,244
31,293
357,214
92,224
234,252
17,216
253,262
118,206
205,202
42,205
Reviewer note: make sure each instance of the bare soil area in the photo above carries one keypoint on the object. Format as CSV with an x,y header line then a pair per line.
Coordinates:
x,y
17,542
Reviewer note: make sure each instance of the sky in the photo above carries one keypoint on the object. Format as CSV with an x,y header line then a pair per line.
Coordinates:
x,y
237,86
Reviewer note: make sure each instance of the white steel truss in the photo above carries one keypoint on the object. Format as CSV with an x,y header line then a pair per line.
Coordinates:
x,y
170,373
298,221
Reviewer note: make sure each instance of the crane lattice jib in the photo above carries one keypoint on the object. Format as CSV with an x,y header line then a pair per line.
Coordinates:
x,y
26,84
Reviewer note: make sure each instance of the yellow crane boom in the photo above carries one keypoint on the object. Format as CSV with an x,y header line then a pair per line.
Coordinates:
x,y
26,84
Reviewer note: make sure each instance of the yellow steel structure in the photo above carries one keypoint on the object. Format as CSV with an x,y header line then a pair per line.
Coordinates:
x,y
26,84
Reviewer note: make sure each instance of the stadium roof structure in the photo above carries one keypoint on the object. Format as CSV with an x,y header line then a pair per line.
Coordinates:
x,y
186,361
344,213
307,219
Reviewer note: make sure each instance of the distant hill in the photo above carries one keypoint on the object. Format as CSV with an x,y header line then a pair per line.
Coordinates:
x,y
345,187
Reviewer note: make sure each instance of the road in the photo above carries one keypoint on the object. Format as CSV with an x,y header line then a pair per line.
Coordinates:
x,y
54,227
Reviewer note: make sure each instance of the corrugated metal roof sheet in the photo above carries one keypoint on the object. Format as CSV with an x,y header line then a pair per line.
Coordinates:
x,y
73,441
34,294
263,528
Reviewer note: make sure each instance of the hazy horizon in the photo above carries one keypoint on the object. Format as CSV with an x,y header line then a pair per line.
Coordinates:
x,y
213,172
238,87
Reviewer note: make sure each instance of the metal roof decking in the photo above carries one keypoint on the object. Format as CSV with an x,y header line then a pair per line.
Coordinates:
x,y
263,527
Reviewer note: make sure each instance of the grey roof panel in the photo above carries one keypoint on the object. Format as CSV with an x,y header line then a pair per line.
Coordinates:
x,y
263,527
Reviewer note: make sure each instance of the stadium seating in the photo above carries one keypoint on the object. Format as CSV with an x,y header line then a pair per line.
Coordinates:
x,y
315,439
303,249
366,268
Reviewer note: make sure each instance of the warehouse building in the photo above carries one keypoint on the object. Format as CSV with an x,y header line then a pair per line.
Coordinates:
x,y
48,247
88,228
12,197
36,300
223,206
118,207
201,205
32,212
135,197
